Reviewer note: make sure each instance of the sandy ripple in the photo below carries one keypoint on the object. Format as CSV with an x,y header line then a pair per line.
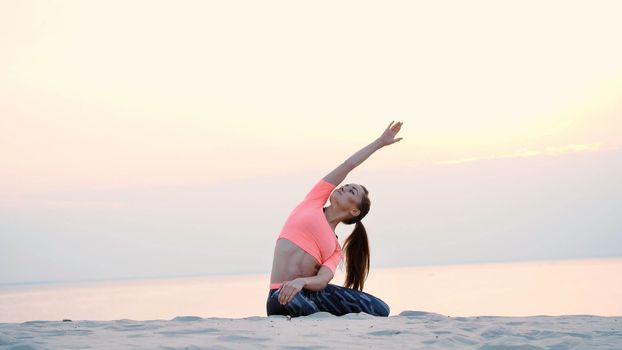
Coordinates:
x,y
408,330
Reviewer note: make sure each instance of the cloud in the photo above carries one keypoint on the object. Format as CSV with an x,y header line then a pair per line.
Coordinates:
x,y
23,203
547,151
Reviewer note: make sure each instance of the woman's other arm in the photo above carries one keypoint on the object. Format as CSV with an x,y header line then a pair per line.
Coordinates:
x,y
319,281
288,289
388,137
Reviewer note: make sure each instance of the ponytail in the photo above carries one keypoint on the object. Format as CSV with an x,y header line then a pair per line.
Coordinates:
x,y
356,248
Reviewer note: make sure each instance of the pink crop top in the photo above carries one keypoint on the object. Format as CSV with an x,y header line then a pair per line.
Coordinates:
x,y
307,227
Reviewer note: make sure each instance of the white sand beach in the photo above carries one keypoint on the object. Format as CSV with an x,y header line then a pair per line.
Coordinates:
x,y
538,305
408,330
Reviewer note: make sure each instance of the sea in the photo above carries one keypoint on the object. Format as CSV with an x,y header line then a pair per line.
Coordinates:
x,y
526,288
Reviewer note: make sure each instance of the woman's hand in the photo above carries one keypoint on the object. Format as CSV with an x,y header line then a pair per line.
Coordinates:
x,y
289,289
388,137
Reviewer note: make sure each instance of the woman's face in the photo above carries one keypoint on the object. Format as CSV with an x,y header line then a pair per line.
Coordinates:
x,y
347,196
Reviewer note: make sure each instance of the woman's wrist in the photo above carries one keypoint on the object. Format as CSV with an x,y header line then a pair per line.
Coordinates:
x,y
378,142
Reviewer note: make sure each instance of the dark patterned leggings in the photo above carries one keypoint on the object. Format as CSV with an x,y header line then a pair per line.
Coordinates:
x,y
334,299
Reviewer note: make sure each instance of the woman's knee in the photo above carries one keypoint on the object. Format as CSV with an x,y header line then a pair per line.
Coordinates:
x,y
273,307
380,308
384,309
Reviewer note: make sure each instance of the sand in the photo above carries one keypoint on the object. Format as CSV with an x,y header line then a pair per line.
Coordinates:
x,y
407,330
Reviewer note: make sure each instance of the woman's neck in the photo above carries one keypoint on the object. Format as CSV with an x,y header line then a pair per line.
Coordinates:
x,y
333,217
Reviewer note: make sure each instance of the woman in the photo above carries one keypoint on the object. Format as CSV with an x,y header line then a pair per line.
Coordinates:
x,y
307,251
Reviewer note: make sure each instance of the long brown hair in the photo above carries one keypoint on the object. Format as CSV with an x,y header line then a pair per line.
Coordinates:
x,y
356,248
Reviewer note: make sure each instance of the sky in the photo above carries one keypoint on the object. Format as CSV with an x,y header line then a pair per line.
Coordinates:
x,y
161,138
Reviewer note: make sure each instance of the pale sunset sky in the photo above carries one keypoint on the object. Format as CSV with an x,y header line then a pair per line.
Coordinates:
x,y
173,138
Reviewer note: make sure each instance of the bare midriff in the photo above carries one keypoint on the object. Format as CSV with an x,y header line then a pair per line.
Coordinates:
x,y
291,262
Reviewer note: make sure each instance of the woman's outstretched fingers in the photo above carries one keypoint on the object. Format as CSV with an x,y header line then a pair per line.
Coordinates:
x,y
388,136
397,127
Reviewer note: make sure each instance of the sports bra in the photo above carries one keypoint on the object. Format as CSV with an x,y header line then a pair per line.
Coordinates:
x,y
307,227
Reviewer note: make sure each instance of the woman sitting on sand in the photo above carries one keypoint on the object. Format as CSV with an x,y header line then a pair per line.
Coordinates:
x,y
307,251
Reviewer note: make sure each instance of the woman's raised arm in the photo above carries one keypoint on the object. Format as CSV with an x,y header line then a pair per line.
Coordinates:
x,y
387,138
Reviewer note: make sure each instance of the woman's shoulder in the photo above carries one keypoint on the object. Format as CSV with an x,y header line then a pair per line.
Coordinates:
x,y
320,191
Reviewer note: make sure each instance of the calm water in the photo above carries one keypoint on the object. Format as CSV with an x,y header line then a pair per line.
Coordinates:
x,y
561,287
